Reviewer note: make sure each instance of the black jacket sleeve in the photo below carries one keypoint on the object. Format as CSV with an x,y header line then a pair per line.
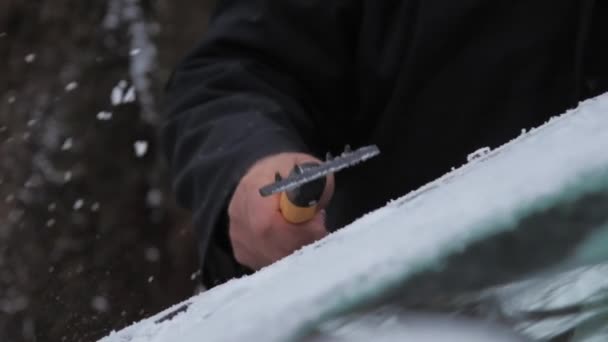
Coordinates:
x,y
270,76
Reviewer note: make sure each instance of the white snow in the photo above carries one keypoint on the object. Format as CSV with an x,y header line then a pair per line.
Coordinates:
x,y
141,148
480,153
67,176
104,116
78,204
154,198
195,275
564,159
71,86
129,95
67,144
117,93
121,94
30,58
152,254
100,304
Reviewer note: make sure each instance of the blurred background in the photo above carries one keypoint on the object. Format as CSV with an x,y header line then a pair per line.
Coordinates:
x,y
90,237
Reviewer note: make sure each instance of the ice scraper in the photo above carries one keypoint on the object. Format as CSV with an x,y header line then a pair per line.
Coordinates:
x,y
301,190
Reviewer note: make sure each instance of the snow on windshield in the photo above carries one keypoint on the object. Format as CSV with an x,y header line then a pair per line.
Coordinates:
x,y
563,160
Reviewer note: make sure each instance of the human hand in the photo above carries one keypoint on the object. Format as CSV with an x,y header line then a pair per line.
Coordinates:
x,y
258,232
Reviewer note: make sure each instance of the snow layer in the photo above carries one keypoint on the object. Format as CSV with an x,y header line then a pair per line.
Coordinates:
x,y
563,160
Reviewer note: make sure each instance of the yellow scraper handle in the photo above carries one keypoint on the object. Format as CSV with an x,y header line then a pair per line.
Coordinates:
x,y
301,204
294,213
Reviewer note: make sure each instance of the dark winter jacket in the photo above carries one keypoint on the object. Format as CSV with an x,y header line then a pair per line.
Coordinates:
x,y
428,81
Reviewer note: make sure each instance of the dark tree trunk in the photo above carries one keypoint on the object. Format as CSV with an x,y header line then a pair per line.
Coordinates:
x,y
90,238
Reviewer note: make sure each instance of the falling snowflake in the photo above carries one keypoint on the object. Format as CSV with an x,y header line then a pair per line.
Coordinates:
x,y
135,52
154,198
67,144
195,275
71,86
116,95
100,304
152,254
121,94
78,204
31,183
30,58
104,116
141,148
129,95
